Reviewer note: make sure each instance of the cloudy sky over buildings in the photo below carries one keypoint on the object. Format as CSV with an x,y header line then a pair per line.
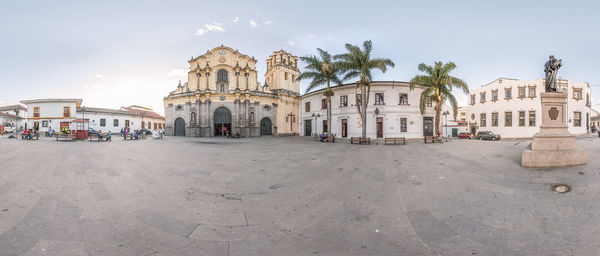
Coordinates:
x,y
119,53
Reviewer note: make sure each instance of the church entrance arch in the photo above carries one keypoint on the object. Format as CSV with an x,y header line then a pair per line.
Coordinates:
x,y
265,126
222,122
179,127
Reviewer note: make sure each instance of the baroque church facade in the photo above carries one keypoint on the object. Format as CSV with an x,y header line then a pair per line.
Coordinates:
x,y
223,97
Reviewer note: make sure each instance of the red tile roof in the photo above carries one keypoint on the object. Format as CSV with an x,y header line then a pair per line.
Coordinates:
x,y
140,112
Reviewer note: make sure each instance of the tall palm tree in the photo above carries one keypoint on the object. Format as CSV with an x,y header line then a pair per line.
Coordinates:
x,y
357,62
322,70
438,85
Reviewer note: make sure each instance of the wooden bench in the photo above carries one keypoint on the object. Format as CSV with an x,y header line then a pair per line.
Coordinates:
x,y
130,136
34,137
395,140
96,138
428,139
360,140
65,137
432,139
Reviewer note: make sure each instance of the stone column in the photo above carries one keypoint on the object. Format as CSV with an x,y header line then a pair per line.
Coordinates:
x,y
553,145
209,119
247,75
207,76
198,80
237,80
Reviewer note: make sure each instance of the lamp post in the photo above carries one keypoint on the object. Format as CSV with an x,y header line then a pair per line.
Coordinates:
x,y
317,115
446,113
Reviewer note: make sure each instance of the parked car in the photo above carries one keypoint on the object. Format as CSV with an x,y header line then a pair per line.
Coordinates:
x,y
465,135
487,135
92,131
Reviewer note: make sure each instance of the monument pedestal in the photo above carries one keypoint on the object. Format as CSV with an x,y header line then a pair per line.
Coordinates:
x,y
553,145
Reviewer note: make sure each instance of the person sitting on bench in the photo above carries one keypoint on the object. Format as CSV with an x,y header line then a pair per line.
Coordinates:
x,y
134,135
65,130
323,137
29,135
100,135
108,136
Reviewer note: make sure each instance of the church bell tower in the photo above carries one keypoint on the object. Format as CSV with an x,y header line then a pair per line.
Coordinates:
x,y
282,72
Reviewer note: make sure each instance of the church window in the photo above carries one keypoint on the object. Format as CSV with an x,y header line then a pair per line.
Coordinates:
x,y
193,117
323,103
307,106
222,75
251,116
286,76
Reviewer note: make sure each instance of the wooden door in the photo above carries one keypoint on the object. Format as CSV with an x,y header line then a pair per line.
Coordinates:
x,y
344,128
64,124
307,128
427,126
380,127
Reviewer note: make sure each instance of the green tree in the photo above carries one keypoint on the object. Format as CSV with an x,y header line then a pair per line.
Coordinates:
x,y
438,85
357,63
322,70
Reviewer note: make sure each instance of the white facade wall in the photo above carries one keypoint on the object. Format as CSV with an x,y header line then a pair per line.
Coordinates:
x,y
95,121
515,104
50,113
135,121
391,112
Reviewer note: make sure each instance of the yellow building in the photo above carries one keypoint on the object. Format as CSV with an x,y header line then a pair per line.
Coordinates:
x,y
223,97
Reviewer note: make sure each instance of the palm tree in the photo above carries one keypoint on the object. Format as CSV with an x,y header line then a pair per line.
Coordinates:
x,y
357,62
438,85
322,70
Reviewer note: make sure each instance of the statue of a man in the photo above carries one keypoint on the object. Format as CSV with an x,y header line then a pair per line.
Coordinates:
x,y
551,68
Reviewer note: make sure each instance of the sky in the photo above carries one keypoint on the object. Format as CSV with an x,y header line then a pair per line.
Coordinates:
x,y
121,53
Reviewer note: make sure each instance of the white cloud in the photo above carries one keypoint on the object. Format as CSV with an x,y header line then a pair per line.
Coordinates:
x,y
253,23
215,27
236,19
290,43
101,77
177,72
93,86
268,22
311,36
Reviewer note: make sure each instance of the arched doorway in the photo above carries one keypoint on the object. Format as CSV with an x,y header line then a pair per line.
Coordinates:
x,y
222,122
265,126
179,127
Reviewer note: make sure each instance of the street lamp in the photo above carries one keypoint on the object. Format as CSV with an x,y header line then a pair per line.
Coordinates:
x,y
317,115
446,113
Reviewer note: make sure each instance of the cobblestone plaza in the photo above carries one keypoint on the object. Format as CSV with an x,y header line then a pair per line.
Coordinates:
x,y
291,196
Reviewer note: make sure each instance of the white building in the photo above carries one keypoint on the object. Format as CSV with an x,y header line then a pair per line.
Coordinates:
x,y
393,111
512,108
14,115
113,120
45,113
57,113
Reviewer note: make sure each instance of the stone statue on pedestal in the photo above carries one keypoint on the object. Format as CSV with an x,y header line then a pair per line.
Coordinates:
x,y
553,145
551,68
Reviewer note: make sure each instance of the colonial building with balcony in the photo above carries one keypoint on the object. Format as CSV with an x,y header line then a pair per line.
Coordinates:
x,y
512,108
393,111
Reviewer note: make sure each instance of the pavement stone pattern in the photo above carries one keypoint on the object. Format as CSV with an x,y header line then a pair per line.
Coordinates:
x,y
291,196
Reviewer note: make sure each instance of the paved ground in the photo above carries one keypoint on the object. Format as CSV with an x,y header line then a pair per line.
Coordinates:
x,y
291,196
